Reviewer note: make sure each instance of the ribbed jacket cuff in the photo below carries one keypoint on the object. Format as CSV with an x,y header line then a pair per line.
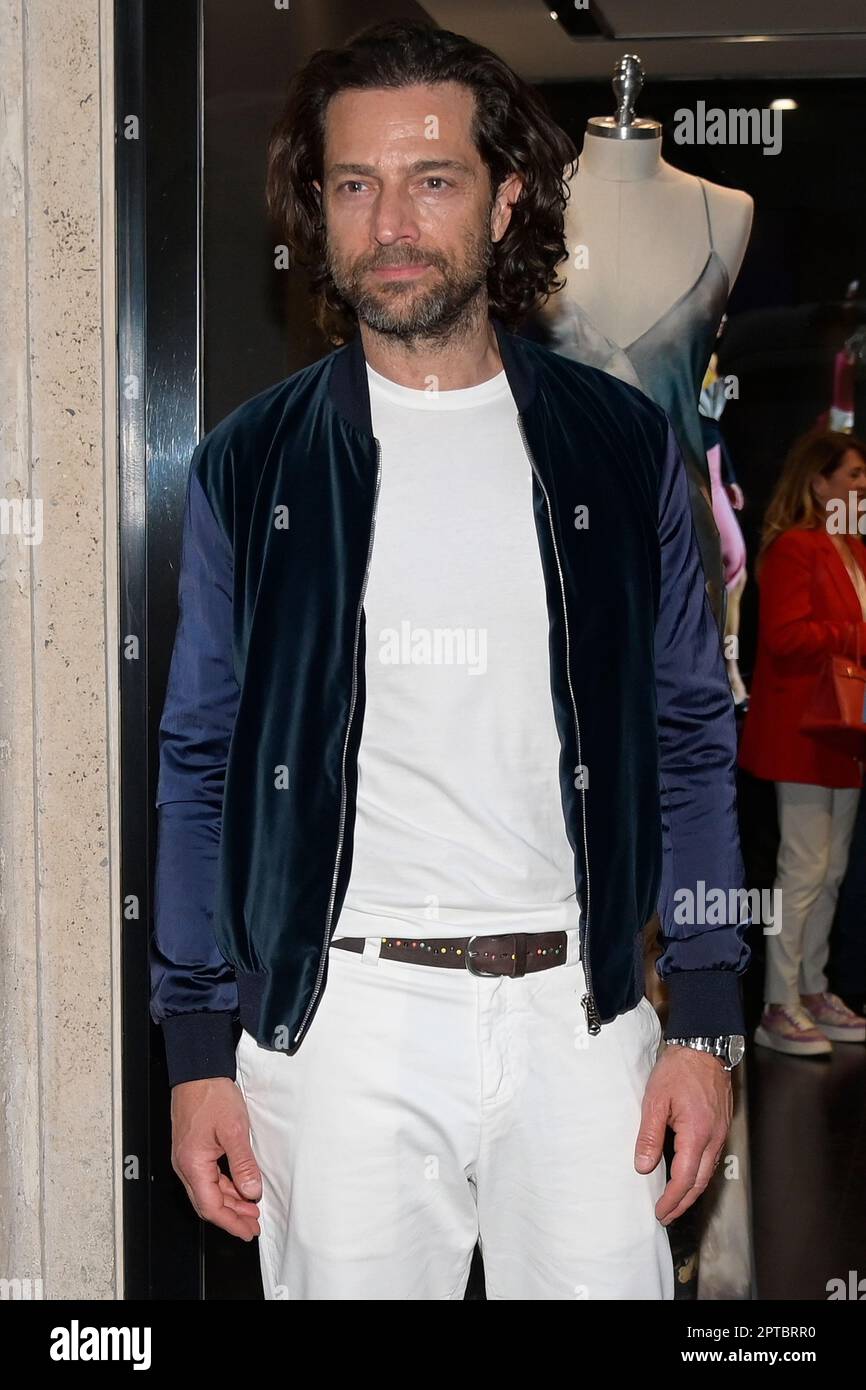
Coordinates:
x,y
198,1046
704,1004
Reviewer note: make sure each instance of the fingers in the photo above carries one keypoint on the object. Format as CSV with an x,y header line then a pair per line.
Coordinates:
x,y
651,1135
234,1135
215,1199
233,1199
684,1172
696,1095
209,1120
694,1163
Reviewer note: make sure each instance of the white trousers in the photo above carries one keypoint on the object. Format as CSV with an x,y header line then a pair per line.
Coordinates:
x,y
816,825
428,1108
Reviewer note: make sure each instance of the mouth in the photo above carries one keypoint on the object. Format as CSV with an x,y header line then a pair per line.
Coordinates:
x,y
401,272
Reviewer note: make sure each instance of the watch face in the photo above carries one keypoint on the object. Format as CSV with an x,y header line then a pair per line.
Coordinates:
x,y
736,1048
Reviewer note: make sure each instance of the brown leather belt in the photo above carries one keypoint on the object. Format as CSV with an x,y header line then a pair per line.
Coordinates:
x,y
513,954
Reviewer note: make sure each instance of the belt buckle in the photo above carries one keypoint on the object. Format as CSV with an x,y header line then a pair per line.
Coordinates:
x,y
518,956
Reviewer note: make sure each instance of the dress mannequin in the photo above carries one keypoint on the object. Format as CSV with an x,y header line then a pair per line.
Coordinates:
x,y
653,255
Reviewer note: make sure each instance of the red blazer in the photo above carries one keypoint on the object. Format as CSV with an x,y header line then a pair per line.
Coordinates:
x,y
808,608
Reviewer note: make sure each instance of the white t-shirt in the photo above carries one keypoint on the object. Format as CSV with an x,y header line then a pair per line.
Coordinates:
x,y
459,825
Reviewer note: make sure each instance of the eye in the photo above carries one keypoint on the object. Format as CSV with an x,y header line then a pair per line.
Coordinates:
x,y
437,178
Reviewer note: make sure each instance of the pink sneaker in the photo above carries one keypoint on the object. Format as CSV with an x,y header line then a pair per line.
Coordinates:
x,y
788,1028
834,1018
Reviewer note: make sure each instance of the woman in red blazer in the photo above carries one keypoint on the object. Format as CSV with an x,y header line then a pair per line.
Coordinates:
x,y
811,571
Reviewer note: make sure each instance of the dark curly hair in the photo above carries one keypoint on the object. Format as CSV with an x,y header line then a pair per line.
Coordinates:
x,y
512,131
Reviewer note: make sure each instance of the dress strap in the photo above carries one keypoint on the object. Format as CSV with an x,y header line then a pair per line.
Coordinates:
x,y
707,211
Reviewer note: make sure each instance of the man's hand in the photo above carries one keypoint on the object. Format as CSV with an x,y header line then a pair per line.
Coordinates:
x,y
691,1092
208,1119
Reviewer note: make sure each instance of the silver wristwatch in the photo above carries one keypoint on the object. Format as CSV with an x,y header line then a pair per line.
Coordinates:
x,y
730,1048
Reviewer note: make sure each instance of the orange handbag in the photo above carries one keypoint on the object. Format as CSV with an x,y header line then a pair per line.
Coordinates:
x,y
836,712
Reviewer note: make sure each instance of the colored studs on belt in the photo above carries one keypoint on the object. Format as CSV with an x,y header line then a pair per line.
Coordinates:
x,y
459,951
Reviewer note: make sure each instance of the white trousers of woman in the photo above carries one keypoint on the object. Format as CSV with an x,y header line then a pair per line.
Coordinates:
x,y
816,825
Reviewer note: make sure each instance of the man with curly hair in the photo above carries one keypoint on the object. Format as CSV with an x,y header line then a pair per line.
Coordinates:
x,y
447,721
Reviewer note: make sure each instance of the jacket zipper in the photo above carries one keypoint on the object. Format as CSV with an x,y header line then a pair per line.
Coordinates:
x,y
340,836
590,1008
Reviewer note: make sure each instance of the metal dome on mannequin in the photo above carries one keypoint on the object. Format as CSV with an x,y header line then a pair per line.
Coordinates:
x,y
627,83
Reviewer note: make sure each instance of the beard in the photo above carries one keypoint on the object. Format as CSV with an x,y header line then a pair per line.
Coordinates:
x,y
407,309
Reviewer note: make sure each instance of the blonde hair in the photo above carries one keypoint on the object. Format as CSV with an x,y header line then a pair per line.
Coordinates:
x,y
793,504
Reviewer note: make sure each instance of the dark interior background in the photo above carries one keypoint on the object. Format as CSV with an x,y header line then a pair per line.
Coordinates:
x,y
217,323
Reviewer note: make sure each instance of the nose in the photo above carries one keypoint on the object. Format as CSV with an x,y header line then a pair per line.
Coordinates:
x,y
393,217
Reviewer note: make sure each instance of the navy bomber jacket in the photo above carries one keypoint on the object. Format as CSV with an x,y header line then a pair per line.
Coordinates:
x,y
264,709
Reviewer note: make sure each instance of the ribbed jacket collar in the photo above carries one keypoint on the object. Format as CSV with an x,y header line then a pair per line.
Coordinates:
x,y
349,391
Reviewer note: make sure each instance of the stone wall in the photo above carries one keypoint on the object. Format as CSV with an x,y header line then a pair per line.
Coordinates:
x,y
59,1153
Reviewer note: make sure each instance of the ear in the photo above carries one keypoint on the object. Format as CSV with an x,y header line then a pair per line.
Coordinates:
x,y
507,193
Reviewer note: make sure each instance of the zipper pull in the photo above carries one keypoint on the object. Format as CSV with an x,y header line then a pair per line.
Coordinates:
x,y
593,1022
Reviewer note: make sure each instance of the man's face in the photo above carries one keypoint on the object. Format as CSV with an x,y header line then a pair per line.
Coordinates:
x,y
410,218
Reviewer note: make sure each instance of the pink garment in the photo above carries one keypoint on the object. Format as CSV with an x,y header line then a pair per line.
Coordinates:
x,y
730,535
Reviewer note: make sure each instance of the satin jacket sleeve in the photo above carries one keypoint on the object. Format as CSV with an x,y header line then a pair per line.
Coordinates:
x,y
704,948
193,990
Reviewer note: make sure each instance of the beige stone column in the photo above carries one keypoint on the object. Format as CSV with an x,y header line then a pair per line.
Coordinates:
x,y
60,1167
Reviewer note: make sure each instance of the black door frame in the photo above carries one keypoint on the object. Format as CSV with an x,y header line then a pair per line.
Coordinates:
x,y
158,148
